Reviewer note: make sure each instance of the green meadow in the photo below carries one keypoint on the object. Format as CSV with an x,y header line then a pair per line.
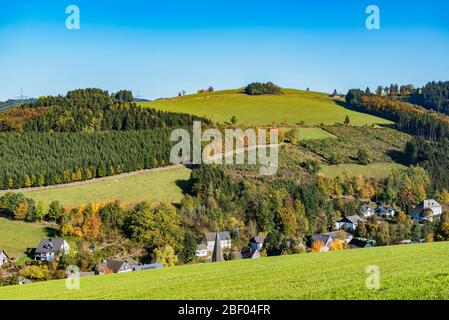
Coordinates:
x,y
373,170
293,107
406,272
17,236
152,185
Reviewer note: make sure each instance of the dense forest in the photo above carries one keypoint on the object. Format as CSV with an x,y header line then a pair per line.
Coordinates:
x,y
40,159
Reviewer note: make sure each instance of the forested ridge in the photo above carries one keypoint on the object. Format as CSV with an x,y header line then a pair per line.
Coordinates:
x,y
83,135
89,110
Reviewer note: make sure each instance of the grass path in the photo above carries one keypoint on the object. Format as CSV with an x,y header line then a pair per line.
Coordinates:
x,y
406,272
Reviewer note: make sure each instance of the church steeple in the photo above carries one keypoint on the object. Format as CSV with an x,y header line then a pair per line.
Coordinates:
x,y
217,255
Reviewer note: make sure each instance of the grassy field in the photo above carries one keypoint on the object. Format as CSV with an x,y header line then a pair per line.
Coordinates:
x,y
293,107
17,236
152,185
374,170
406,272
310,133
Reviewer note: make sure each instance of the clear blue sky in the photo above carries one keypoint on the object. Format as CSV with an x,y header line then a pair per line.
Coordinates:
x,y
158,48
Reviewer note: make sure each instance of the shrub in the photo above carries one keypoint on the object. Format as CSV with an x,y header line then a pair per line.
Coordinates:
x,y
257,88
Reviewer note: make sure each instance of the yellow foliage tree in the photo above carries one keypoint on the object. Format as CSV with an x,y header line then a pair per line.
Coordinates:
x,y
336,245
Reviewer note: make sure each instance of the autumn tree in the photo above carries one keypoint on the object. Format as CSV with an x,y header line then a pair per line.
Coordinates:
x,y
317,246
336,245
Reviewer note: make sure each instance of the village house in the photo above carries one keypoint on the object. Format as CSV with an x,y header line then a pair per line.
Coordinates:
x,y
225,240
427,210
256,243
3,258
367,210
51,249
328,237
385,212
349,223
116,266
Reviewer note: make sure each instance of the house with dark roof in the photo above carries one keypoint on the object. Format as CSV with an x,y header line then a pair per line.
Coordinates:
x,y
427,210
385,211
116,266
359,243
225,240
349,222
51,249
256,243
3,258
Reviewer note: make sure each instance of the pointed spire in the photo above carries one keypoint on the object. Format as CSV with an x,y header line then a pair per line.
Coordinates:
x,y
217,255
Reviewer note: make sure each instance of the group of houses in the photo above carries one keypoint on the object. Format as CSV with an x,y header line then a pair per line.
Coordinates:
x,y
427,210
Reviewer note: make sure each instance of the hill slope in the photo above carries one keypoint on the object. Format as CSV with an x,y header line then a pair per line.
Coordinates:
x,y
292,107
159,184
406,272
17,236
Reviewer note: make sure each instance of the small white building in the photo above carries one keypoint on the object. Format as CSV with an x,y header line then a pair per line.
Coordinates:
x,y
225,240
427,210
349,222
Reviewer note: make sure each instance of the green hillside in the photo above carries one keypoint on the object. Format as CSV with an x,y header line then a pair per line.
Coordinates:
x,y
152,185
294,106
406,272
17,236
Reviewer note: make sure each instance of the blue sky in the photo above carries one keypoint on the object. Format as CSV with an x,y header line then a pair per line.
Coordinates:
x,y
158,48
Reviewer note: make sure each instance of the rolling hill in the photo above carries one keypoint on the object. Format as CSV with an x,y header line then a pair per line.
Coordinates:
x,y
406,272
293,107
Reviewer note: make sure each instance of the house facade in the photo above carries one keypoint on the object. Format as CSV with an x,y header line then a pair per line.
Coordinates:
x,y
51,249
349,223
427,210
